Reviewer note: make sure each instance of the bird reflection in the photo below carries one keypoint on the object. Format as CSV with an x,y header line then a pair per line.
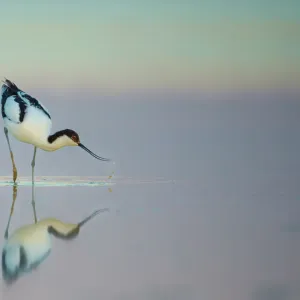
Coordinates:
x,y
30,244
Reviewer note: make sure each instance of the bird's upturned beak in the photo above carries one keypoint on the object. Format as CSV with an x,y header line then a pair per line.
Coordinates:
x,y
93,154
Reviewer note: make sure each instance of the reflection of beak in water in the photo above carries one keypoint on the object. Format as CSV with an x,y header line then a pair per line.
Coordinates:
x,y
29,245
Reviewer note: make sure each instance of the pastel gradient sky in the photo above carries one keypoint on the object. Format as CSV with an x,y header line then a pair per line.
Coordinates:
x,y
130,44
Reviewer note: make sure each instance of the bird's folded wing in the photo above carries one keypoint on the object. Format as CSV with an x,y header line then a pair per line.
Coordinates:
x,y
14,109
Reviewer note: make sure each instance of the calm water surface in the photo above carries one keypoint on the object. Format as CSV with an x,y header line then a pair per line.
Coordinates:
x,y
217,218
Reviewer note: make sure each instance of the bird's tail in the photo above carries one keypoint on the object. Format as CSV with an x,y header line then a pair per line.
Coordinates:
x,y
8,89
10,85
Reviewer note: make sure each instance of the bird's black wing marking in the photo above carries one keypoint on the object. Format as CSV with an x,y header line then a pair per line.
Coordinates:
x,y
14,110
3,100
23,107
8,276
6,92
23,258
10,92
9,89
33,102
4,268
14,89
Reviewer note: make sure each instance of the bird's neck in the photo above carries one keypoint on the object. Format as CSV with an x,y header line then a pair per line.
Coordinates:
x,y
56,141
55,136
61,229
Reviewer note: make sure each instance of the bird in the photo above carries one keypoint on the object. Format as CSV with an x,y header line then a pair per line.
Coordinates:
x,y
28,246
29,121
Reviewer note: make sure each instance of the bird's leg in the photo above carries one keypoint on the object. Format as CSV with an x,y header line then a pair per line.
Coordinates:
x,y
34,212
15,173
32,175
15,191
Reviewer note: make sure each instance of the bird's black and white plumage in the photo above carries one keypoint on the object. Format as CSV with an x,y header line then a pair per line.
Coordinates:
x,y
25,117
30,122
18,102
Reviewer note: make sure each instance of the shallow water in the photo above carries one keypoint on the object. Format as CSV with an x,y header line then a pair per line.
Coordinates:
x,y
204,202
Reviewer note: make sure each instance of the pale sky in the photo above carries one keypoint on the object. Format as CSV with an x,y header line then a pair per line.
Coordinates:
x,y
152,44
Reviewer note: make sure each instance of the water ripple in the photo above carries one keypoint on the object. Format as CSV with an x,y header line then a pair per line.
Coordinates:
x,y
86,181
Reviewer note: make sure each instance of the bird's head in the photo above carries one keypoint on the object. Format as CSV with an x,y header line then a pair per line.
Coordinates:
x,y
72,137
69,137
